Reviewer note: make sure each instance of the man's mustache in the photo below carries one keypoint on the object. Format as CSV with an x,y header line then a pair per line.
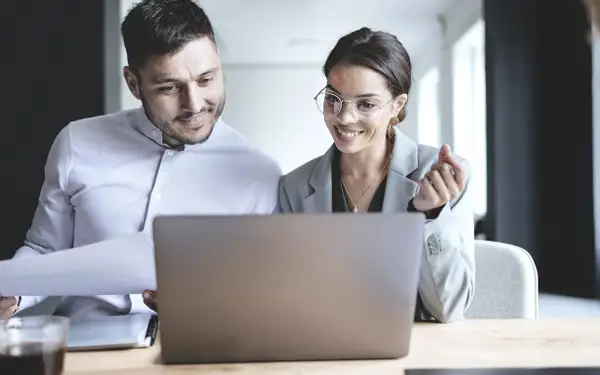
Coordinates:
x,y
190,115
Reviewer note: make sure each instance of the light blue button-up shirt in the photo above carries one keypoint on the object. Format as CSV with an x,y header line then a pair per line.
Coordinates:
x,y
107,177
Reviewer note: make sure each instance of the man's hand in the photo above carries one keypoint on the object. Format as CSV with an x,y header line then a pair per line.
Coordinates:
x,y
150,299
8,306
441,184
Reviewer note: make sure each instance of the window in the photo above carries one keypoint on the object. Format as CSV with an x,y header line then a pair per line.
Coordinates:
x,y
428,127
469,109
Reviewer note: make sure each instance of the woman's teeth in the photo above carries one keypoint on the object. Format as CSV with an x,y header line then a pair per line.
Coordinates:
x,y
347,133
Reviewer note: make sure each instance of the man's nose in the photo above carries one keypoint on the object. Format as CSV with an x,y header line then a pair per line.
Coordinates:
x,y
192,100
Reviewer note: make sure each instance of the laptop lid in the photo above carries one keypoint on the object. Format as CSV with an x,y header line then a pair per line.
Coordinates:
x,y
287,287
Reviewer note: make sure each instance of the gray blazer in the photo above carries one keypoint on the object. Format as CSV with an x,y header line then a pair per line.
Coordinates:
x,y
447,277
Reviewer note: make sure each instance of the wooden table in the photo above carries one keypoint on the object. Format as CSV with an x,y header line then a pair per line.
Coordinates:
x,y
473,343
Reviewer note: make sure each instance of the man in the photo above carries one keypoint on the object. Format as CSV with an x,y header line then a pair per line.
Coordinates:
x,y
107,177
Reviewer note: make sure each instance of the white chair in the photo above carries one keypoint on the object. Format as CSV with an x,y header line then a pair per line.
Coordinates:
x,y
506,283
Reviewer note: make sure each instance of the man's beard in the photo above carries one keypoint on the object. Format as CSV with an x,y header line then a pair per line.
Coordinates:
x,y
165,129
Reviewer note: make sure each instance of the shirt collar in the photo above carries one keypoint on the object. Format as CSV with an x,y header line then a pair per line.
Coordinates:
x,y
143,125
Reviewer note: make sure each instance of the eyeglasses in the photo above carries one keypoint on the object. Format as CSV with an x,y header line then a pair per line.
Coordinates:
x,y
331,104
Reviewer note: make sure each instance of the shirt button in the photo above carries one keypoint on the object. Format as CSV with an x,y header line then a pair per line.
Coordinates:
x,y
157,196
169,153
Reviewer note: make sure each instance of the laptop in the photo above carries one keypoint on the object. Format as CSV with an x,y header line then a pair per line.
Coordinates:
x,y
287,287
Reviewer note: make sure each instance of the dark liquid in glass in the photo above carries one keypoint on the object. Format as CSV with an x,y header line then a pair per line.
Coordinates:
x,y
32,358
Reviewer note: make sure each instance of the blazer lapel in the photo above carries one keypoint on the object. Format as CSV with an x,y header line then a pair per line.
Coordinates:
x,y
320,181
399,188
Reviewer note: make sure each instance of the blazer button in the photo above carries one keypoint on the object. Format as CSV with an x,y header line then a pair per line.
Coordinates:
x,y
434,244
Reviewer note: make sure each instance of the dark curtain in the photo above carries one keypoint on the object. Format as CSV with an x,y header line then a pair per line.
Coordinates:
x,y
539,126
53,72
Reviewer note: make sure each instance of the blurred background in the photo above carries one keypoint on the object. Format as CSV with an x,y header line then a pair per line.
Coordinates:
x,y
512,85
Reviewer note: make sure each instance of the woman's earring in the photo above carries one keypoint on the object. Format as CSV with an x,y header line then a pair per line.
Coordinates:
x,y
394,121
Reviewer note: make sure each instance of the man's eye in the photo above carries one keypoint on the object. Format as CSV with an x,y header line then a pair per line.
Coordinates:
x,y
205,81
167,89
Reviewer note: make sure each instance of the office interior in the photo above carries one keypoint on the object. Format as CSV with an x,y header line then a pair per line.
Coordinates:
x,y
511,85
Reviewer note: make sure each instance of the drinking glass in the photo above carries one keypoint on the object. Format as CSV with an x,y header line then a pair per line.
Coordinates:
x,y
33,345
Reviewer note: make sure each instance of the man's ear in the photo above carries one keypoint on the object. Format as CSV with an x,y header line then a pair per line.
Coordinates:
x,y
132,82
400,102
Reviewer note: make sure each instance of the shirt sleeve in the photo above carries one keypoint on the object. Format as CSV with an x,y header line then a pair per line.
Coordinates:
x,y
266,191
52,226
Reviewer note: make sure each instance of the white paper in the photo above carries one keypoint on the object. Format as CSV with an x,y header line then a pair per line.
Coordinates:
x,y
120,266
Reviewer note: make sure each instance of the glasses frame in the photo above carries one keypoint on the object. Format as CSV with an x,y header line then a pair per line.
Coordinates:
x,y
354,111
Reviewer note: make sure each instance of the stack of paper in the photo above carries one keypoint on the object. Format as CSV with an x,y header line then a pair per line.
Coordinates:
x,y
113,267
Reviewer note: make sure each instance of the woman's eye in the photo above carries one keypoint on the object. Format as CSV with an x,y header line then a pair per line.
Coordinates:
x,y
331,98
367,105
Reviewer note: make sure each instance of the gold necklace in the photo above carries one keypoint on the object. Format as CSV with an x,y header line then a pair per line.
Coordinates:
x,y
355,204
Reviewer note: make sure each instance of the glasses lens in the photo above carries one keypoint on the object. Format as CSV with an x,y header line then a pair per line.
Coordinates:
x,y
320,99
330,104
367,108
333,104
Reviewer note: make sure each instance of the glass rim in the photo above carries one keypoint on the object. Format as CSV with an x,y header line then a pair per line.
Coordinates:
x,y
33,322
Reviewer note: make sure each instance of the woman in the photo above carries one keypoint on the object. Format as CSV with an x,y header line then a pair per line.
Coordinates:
x,y
374,167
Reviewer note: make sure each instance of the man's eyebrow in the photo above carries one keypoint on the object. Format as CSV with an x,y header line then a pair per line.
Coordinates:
x,y
163,79
209,71
367,95
168,79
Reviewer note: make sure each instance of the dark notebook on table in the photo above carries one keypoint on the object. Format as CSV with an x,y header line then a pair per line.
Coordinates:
x,y
508,371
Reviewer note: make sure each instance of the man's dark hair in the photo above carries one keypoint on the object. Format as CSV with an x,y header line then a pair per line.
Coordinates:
x,y
379,51
160,27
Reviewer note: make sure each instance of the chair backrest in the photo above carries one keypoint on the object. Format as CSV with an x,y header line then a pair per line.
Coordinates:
x,y
506,283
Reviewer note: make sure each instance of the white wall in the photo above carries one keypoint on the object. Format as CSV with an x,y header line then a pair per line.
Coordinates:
x,y
461,96
273,106
409,125
453,24
117,95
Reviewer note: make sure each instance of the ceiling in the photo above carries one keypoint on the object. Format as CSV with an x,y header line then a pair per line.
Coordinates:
x,y
303,31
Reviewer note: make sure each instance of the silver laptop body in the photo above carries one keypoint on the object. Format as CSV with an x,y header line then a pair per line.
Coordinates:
x,y
286,287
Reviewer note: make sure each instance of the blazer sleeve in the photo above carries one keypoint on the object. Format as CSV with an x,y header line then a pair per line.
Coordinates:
x,y
447,277
283,199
